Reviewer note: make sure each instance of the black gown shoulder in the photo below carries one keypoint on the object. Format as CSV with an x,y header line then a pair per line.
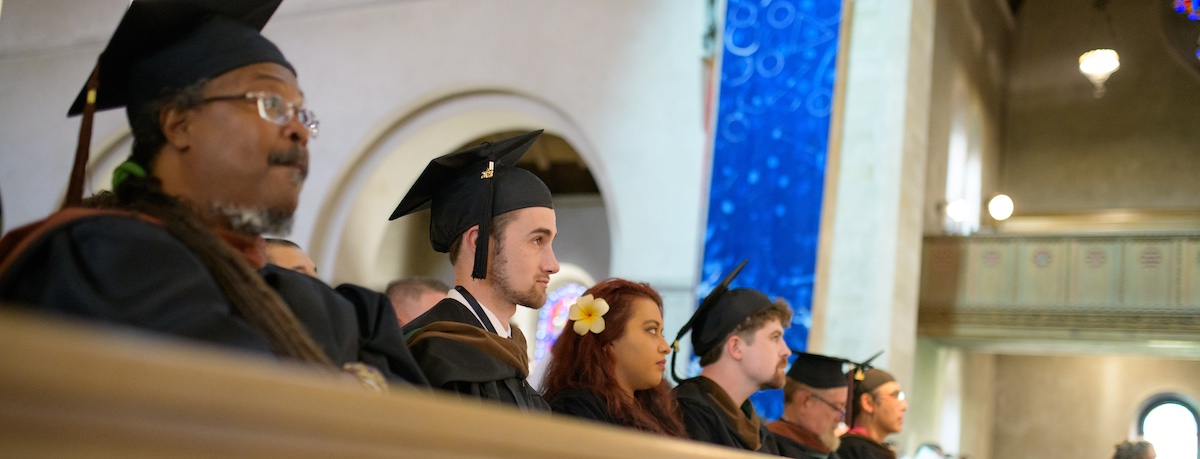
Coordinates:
x,y
701,417
582,403
705,421
122,270
125,271
456,366
381,342
859,447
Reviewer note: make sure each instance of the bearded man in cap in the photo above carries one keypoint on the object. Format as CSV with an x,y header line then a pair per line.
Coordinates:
x,y
879,407
738,335
220,151
814,400
497,222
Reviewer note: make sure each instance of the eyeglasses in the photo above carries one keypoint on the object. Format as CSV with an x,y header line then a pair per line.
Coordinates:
x,y
898,395
272,107
841,411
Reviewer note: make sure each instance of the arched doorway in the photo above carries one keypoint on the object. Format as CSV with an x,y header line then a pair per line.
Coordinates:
x,y
354,242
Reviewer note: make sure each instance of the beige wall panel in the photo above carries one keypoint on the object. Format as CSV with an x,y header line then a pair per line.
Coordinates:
x,y
1041,273
942,274
989,268
1095,267
1150,273
1189,267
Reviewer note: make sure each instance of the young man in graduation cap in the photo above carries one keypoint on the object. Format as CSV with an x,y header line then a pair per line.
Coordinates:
x,y
220,151
878,411
814,398
497,223
738,335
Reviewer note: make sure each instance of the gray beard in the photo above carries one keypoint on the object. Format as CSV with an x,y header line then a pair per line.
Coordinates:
x,y
830,439
251,220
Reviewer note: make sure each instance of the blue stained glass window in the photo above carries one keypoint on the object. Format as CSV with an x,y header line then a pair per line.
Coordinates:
x,y
552,316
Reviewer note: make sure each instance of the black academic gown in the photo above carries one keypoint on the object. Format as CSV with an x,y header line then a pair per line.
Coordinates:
x,y
582,403
457,366
860,447
707,421
125,271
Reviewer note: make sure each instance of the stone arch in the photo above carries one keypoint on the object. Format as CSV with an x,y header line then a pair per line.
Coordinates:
x,y
352,221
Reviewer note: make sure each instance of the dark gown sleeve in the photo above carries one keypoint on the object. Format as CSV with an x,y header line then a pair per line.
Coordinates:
x,y
125,271
703,423
582,404
382,342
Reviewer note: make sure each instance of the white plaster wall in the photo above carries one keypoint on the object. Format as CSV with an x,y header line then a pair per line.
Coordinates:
x,y
624,74
968,81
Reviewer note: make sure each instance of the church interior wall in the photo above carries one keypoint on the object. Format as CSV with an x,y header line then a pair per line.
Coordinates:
x,y
1078,406
1068,151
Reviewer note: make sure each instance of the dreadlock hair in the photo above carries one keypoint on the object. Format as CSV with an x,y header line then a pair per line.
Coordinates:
x,y
586,362
250,296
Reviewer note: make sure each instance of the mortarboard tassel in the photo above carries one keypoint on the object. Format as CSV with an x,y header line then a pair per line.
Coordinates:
x,y
481,243
74,195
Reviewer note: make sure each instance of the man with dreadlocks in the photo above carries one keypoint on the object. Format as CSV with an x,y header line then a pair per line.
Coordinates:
x,y
219,156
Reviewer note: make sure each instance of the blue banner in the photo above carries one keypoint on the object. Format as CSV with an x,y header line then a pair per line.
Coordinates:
x,y
772,135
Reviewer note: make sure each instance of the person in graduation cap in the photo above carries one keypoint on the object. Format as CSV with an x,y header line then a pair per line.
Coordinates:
x,y
814,400
220,151
738,335
497,223
607,365
878,411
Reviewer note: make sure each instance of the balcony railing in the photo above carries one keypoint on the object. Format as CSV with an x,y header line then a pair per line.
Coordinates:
x,y
1090,287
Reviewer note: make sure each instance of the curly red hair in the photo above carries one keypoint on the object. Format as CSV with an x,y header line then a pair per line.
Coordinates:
x,y
585,362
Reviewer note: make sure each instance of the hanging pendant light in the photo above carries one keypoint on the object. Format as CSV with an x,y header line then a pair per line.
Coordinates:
x,y
1097,65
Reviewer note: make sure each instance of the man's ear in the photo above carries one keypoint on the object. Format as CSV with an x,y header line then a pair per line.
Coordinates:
x,y
734,347
867,403
174,123
469,241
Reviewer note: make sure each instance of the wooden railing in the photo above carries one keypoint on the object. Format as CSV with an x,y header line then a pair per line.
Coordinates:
x,y
78,390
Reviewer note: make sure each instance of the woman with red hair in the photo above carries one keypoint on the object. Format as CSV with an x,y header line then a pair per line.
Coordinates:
x,y
608,363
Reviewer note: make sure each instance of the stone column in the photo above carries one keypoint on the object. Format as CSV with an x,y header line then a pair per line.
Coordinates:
x,y
868,265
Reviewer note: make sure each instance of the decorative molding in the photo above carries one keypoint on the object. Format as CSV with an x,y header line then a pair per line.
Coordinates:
x,y
1096,320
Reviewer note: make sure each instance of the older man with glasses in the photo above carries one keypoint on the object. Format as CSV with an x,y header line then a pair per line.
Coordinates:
x,y
815,396
220,153
879,407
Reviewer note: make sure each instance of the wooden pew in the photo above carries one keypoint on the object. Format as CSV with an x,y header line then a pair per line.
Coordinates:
x,y
79,390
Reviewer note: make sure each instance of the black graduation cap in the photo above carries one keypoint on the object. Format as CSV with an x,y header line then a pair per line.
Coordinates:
x,y
472,186
818,371
719,313
170,44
